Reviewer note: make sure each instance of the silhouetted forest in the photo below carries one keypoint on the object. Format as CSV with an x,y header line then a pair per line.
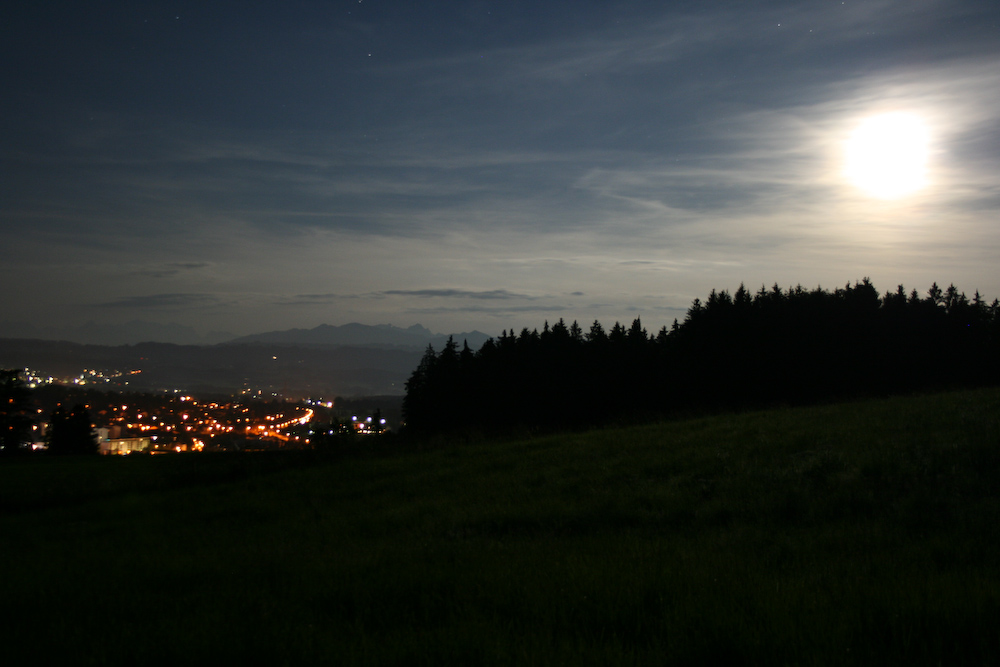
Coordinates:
x,y
732,351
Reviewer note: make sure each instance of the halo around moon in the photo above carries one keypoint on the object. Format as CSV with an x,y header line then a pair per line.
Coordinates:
x,y
886,155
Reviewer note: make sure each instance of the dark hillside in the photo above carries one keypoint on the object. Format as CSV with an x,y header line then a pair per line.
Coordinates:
x,y
861,533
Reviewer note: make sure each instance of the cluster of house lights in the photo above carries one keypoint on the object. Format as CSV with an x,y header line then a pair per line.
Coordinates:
x,y
202,422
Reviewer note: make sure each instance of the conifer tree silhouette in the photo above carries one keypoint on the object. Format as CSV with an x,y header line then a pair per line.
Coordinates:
x,y
787,346
71,432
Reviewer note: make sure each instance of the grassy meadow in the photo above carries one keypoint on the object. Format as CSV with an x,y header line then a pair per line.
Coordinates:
x,y
860,533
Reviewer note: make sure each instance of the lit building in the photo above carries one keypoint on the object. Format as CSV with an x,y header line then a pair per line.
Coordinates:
x,y
125,445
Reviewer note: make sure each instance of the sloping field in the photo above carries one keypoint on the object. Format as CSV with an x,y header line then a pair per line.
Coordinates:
x,y
863,533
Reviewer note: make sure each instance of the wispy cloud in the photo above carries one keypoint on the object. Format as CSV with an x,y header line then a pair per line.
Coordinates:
x,y
162,301
490,295
170,270
488,310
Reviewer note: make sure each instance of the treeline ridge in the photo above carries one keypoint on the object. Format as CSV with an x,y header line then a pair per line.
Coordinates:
x,y
732,351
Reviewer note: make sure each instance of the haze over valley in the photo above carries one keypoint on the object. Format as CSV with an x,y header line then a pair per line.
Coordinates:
x,y
347,360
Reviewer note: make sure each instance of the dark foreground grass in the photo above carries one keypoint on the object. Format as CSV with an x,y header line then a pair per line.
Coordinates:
x,y
861,533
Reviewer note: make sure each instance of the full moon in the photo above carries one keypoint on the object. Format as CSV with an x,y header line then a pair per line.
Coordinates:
x,y
886,155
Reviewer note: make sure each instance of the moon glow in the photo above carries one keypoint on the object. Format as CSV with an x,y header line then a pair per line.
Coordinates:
x,y
886,155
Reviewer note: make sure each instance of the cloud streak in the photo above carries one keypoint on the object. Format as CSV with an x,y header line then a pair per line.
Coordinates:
x,y
162,301
489,295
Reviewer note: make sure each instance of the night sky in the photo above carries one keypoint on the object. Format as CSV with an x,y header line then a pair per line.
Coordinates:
x,y
252,166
